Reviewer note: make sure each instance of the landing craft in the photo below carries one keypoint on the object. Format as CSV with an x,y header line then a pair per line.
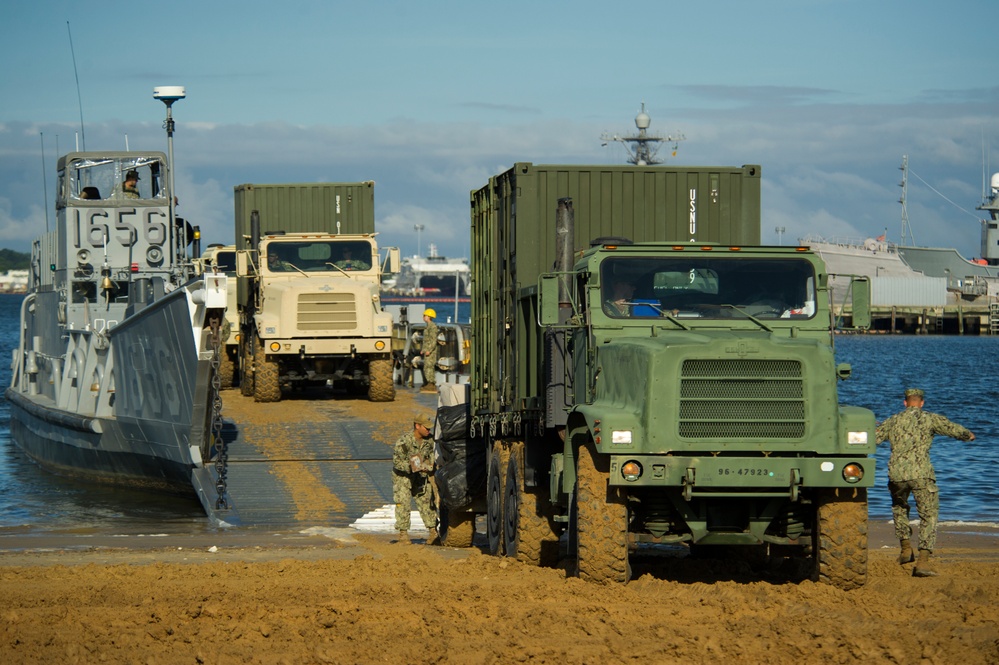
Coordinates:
x,y
119,337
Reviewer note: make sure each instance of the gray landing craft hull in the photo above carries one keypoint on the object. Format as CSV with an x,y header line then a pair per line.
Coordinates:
x,y
148,422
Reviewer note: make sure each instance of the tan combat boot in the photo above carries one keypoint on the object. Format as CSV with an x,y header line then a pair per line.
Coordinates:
x,y
923,566
432,538
403,538
907,555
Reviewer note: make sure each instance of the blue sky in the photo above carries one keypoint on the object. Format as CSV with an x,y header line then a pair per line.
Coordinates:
x,y
429,99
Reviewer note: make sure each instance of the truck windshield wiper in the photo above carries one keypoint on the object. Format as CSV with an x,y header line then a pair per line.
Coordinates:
x,y
749,316
333,265
666,314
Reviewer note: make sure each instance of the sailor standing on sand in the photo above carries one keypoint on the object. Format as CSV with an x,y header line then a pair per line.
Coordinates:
x,y
910,471
412,469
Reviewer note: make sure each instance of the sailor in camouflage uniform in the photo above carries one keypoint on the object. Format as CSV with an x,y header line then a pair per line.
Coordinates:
x,y
429,351
910,471
412,477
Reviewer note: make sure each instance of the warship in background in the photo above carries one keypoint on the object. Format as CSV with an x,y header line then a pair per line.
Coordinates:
x,y
430,279
908,276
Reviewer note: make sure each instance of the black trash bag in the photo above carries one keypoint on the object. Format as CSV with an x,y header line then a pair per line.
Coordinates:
x,y
452,422
461,472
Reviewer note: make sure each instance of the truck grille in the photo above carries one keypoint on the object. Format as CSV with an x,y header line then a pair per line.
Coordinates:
x,y
327,311
742,399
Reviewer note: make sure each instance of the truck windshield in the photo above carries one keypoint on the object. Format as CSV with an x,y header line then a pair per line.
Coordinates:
x,y
707,287
319,256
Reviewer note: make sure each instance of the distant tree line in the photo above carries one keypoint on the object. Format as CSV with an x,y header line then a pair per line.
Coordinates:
x,y
11,260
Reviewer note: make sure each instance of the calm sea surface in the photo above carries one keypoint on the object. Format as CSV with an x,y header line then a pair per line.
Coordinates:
x,y
959,375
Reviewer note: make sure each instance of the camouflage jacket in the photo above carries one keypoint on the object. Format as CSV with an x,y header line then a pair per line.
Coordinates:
x,y
408,445
429,345
911,435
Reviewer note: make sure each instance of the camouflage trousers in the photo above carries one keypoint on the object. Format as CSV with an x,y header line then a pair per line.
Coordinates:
x,y
927,496
429,370
405,488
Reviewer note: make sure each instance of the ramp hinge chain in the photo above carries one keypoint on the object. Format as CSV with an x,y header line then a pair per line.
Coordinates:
x,y
222,449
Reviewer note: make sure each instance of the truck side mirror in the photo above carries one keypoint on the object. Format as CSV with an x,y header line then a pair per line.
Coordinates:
x,y
548,295
244,267
860,302
393,260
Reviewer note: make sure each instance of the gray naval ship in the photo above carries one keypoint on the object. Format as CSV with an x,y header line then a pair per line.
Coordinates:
x,y
113,375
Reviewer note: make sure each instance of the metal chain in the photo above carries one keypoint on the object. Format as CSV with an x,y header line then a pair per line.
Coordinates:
x,y
218,443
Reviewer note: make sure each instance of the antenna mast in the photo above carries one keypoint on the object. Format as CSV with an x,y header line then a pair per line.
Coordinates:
x,y
79,99
645,145
906,230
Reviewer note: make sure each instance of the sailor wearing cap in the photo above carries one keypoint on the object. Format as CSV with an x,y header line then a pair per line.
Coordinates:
x,y
131,187
910,434
412,477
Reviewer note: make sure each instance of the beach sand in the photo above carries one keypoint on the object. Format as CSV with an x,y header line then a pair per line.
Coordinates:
x,y
345,597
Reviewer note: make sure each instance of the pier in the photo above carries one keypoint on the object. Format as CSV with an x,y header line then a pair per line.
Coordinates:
x,y
952,319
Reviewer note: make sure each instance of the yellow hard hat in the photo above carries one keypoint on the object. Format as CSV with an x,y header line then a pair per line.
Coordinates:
x,y
429,312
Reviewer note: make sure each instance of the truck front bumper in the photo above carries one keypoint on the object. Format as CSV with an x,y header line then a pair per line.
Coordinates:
x,y
328,346
740,476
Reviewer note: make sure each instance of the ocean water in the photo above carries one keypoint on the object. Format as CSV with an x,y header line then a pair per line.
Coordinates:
x,y
959,375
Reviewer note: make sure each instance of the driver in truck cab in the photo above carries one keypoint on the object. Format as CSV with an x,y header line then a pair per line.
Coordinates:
x,y
276,263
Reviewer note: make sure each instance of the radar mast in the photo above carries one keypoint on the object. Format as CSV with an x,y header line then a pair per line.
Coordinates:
x,y
643,147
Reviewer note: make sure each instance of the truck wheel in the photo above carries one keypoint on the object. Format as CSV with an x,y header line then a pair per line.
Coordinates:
x,y
266,384
245,369
227,369
495,497
527,526
380,386
840,547
601,521
457,527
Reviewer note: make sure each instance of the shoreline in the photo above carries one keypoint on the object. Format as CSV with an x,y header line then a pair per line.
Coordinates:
x,y
262,543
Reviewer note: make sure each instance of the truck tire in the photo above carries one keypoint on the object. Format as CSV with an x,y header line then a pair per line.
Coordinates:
x,y
840,547
457,527
601,522
528,530
245,369
227,370
380,386
266,383
495,497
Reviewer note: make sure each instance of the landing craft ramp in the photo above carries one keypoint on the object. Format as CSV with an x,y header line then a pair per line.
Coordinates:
x,y
310,460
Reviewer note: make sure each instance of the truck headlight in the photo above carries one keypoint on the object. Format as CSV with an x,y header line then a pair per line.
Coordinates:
x,y
621,436
856,438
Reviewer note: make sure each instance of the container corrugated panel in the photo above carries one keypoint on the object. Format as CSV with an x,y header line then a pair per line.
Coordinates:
x,y
306,208
513,243
909,291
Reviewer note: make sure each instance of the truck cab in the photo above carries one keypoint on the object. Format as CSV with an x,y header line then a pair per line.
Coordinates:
x,y
313,314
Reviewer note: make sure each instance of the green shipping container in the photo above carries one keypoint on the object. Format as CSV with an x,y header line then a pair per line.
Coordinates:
x,y
513,243
325,207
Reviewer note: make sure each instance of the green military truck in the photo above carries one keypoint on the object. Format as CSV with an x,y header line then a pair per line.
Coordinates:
x,y
644,372
309,272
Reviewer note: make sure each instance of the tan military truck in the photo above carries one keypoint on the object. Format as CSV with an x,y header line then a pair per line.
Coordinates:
x,y
308,298
222,258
